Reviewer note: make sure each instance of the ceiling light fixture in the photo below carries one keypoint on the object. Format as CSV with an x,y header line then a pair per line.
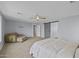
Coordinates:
x,y
37,17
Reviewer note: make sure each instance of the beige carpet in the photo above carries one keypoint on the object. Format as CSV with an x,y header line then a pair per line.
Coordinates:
x,y
18,50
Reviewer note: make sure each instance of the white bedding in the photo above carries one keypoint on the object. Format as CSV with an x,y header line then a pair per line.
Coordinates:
x,y
53,48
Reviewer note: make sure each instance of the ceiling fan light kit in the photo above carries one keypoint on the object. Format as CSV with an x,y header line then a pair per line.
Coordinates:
x,y
38,17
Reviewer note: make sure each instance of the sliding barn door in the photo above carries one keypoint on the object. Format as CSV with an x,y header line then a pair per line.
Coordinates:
x,y
47,30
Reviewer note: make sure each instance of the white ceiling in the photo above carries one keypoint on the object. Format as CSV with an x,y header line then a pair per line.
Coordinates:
x,y
53,10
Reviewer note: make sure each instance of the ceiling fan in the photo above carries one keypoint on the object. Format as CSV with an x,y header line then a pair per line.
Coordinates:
x,y
37,17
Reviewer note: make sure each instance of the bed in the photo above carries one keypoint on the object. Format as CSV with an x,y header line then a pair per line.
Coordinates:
x,y
53,48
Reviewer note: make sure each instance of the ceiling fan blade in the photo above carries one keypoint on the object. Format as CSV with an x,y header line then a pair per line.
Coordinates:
x,y
42,17
54,21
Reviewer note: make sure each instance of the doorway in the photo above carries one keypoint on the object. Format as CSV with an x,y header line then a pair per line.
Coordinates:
x,y
36,30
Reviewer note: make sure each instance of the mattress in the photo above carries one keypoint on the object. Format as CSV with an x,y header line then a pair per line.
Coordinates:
x,y
53,48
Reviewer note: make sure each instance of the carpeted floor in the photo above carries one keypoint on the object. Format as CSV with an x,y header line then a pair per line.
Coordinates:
x,y
18,50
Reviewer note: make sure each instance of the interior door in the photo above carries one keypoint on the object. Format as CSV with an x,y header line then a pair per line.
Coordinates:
x,y
38,30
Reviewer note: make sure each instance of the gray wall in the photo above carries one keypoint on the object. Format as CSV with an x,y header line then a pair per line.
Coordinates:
x,y
1,40
68,28
2,31
19,27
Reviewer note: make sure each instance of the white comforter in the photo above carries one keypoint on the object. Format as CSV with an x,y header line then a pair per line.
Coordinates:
x,y
53,48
